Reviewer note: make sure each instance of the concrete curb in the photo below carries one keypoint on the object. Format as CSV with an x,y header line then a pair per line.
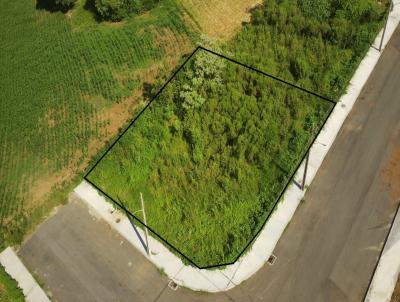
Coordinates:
x,y
17,270
388,269
227,278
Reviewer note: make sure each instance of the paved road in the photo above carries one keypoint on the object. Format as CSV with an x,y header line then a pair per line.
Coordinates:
x,y
80,258
327,253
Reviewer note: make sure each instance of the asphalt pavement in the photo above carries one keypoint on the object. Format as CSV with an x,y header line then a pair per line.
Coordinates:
x,y
327,253
80,258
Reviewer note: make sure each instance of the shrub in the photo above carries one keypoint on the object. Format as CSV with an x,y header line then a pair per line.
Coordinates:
x,y
55,5
65,3
116,10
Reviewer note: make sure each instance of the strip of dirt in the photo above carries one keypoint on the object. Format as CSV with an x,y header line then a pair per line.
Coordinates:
x,y
391,175
396,292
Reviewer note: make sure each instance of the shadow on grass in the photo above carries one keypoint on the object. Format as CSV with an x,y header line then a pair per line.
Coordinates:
x,y
284,171
51,6
90,5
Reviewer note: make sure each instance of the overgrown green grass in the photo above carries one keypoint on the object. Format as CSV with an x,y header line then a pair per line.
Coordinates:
x,y
211,155
9,290
314,44
209,177
59,76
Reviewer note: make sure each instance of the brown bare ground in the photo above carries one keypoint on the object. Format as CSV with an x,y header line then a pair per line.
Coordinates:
x,y
396,292
114,118
220,19
391,175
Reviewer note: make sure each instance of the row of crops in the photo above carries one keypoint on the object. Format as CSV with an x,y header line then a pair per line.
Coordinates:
x,y
57,79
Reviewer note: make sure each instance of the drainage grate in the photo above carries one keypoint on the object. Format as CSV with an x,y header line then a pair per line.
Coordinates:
x,y
271,260
172,285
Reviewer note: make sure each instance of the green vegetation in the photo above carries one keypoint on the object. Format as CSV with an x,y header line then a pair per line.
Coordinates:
x,y
68,82
211,155
116,10
67,85
315,44
56,5
9,290
65,4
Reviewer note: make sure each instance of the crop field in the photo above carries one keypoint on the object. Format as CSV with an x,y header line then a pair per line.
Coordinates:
x,y
211,155
67,85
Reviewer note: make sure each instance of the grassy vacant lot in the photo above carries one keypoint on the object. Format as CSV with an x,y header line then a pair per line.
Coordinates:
x,y
211,155
315,44
9,290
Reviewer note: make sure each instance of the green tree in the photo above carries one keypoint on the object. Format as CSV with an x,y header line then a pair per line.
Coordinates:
x,y
55,5
116,10
205,71
65,3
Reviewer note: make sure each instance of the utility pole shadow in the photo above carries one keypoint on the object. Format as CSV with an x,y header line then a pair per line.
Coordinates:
x,y
132,222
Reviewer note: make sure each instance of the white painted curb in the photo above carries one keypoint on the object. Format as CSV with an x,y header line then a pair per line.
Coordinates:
x,y
17,270
255,258
387,272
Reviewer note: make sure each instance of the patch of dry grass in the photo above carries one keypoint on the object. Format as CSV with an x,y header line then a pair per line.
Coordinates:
x,y
219,19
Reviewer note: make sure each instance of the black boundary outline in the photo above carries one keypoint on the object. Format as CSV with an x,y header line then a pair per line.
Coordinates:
x,y
381,252
280,195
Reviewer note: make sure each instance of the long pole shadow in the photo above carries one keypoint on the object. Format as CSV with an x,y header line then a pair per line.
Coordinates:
x,y
132,222
287,173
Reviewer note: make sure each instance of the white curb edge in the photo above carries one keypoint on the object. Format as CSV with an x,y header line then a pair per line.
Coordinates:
x,y
388,269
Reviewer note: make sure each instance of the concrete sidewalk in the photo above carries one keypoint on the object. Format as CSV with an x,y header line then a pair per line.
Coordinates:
x,y
17,270
254,259
388,268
